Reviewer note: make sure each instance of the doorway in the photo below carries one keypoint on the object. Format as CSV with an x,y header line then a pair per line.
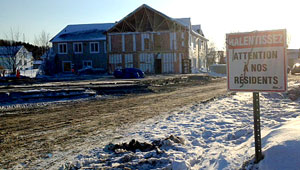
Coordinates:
x,y
67,66
157,66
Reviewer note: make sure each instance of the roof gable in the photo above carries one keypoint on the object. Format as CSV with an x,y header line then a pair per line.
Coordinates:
x,y
184,21
197,29
145,18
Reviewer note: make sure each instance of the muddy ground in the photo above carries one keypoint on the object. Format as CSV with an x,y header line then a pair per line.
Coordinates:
x,y
30,134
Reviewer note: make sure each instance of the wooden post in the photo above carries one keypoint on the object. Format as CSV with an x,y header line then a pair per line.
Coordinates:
x,y
257,134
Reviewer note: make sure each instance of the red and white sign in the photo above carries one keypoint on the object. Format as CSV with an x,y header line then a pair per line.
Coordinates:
x,y
256,61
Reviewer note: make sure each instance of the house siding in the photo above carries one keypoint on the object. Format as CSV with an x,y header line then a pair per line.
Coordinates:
x,y
160,46
99,60
157,44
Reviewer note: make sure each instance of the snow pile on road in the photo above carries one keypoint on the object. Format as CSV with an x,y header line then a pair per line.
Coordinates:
x,y
213,135
214,74
32,73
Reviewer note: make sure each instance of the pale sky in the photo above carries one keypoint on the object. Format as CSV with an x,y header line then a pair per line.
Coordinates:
x,y
217,17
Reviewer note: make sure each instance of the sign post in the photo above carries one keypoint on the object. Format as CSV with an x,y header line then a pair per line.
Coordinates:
x,y
257,134
256,62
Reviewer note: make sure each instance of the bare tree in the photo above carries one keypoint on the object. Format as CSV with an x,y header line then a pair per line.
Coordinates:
x,y
12,56
43,41
13,35
211,54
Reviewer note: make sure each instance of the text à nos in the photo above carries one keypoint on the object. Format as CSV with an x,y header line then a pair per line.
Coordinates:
x,y
256,68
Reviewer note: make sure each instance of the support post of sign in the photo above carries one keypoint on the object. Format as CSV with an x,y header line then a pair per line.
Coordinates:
x,y
257,134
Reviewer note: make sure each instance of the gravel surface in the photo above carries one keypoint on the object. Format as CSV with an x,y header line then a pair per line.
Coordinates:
x,y
30,136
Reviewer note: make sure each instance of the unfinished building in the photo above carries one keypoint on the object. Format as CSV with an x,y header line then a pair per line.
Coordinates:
x,y
155,43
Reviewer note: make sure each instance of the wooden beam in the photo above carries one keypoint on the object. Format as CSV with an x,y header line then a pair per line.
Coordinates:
x,y
139,27
164,20
149,19
122,30
118,30
154,22
136,25
168,23
130,25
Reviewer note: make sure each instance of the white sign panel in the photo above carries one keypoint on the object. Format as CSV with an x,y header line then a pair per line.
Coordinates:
x,y
256,61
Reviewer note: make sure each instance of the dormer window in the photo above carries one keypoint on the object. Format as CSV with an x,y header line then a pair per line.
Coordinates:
x,y
77,47
62,48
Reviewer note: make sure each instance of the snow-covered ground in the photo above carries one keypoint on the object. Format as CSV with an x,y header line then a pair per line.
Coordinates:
x,y
217,135
32,73
213,74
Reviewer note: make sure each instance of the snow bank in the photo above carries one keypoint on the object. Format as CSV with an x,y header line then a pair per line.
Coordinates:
x,y
32,73
282,147
213,74
217,135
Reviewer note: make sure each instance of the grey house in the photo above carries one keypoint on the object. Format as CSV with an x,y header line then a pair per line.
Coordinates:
x,y
80,46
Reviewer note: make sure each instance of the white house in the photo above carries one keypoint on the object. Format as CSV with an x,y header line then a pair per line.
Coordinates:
x,y
14,58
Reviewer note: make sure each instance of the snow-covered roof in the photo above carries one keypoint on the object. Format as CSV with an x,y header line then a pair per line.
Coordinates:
x,y
197,28
82,32
293,53
9,50
184,21
37,62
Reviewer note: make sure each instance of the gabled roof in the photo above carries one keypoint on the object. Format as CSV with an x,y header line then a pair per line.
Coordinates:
x,y
185,22
82,32
293,53
9,50
182,21
197,28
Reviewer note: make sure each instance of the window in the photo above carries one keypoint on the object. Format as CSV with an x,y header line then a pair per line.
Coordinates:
x,y
87,63
146,42
94,47
195,43
62,48
182,37
77,47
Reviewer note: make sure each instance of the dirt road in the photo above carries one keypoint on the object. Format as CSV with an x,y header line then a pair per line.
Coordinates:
x,y
32,133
